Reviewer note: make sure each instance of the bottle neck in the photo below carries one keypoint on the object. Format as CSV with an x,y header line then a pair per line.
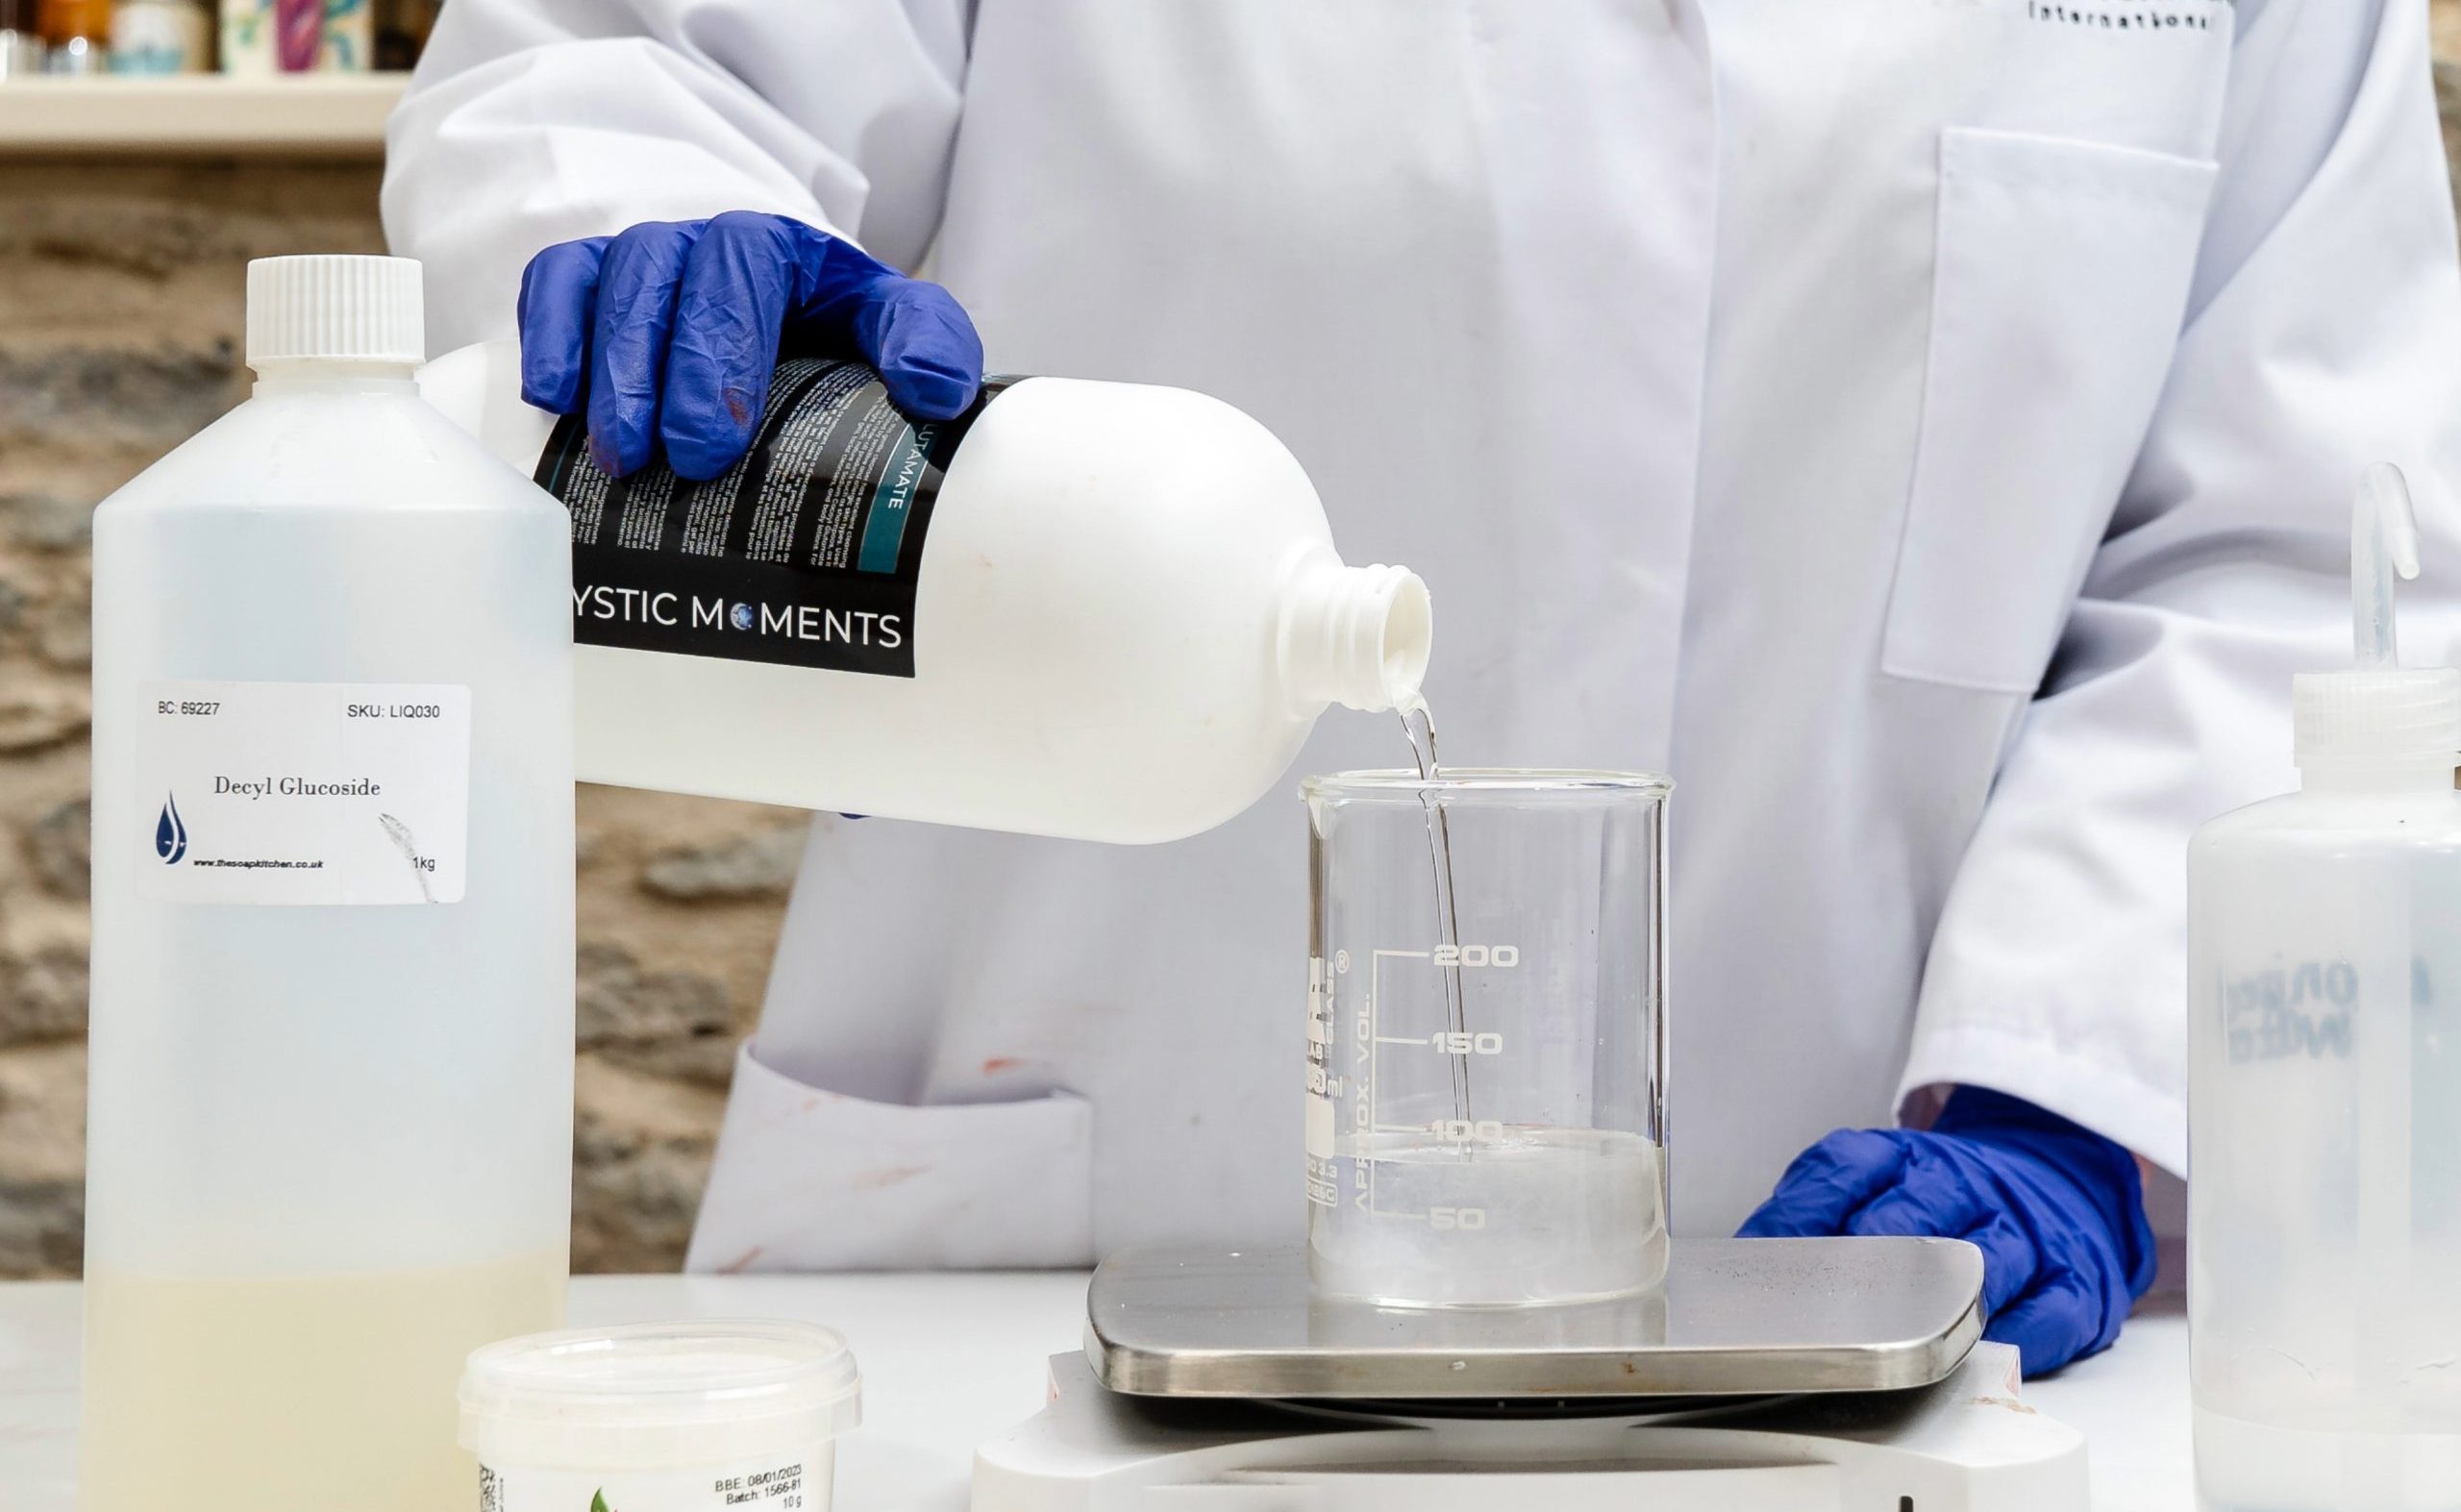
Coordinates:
x,y
327,375
2408,777
1352,636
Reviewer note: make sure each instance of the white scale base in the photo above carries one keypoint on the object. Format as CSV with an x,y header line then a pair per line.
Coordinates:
x,y
1965,1444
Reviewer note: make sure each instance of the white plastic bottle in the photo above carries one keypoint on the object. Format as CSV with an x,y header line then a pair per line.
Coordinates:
x,y
2325,1090
1098,611
331,1089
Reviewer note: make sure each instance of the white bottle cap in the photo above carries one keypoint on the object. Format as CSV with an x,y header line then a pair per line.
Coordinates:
x,y
2399,716
335,309
2382,715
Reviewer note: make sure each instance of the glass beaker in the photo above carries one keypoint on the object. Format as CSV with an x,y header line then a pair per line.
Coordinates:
x,y
1486,1074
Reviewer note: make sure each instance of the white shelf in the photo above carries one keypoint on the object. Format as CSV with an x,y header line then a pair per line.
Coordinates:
x,y
311,115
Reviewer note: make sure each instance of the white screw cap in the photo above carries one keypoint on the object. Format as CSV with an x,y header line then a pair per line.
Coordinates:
x,y
335,309
2385,717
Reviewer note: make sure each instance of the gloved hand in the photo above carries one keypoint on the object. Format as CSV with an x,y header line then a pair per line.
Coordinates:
x,y
2057,1210
669,331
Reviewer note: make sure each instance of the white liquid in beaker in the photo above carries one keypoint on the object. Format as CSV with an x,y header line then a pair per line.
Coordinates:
x,y
294,1395
1529,1214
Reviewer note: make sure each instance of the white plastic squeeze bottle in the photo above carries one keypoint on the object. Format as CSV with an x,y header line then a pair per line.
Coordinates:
x,y
330,1130
1098,611
2324,1089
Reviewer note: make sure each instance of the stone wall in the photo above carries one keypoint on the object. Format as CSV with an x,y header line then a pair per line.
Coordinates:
x,y
120,307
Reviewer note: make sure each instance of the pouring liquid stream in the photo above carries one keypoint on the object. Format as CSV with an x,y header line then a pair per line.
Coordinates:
x,y
1418,725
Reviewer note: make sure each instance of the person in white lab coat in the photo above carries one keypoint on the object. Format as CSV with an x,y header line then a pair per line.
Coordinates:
x,y
1924,429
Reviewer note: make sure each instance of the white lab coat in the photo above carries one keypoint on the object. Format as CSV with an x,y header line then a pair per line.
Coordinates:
x,y
1923,427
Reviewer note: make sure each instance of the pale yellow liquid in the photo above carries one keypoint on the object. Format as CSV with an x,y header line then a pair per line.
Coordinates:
x,y
318,1393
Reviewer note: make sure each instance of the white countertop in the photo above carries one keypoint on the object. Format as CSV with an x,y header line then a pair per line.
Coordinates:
x,y
951,1359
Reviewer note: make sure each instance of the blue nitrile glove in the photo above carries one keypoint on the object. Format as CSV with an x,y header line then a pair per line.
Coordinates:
x,y
2057,1210
669,330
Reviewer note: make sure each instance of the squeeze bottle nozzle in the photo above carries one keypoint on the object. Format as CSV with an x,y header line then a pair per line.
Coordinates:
x,y
2380,717
2383,540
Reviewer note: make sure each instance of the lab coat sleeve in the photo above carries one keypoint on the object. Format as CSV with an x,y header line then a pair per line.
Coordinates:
x,y
530,123
2323,332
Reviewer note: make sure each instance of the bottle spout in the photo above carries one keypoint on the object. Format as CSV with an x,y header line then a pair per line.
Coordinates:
x,y
1358,636
2383,543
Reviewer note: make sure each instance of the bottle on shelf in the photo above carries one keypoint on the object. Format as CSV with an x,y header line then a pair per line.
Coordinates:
x,y
160,37
277,36
21,44
76,36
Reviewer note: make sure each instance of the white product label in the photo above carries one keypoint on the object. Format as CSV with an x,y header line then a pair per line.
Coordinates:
x,y
305,792
774,1484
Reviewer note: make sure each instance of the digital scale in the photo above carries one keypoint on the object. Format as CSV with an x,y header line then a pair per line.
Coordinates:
x,y
1767,1375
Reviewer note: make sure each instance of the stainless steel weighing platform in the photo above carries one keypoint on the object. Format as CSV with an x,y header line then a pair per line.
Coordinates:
x,y
1767,1375
1736,1317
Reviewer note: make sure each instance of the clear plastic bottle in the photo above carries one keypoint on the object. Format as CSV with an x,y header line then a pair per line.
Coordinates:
x,y
330,1130
2325,1090
1097,610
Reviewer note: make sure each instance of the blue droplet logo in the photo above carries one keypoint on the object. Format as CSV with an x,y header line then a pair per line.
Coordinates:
x,y
170,833
741,616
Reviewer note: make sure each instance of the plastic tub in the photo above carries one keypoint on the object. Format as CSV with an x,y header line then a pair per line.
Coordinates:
x,y
660,1417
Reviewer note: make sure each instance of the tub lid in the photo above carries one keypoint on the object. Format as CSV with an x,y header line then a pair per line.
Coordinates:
x,y
727,1376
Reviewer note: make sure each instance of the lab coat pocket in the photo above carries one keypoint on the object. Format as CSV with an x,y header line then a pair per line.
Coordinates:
x,y
808,1179
2061,283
